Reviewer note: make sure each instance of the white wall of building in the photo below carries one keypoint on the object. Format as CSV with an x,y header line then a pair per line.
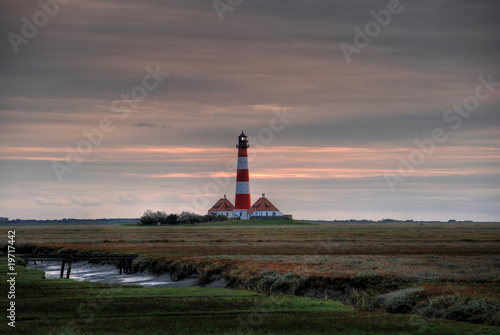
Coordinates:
x,y
267,213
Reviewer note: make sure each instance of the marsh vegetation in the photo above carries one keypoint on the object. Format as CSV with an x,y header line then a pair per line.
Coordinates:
x,y
392,277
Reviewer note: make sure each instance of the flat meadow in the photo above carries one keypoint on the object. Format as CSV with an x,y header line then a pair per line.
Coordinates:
x,y
467,252
426,271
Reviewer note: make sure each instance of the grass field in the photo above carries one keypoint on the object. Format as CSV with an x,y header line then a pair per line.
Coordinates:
x,y
253,223
69,307
449,271
447,251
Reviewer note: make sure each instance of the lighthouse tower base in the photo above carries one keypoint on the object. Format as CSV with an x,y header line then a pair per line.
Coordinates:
x,y
241,214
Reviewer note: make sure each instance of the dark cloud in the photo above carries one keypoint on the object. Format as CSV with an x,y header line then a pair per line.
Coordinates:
x,y
230,75
150,125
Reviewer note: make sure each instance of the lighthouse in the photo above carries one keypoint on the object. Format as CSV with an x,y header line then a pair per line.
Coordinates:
x,y
242,199
243,208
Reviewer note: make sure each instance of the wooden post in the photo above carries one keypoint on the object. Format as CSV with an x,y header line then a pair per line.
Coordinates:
x,y
120,265
69,268
62,269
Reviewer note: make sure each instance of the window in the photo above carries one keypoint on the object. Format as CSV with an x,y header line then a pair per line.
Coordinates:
x,y
274,213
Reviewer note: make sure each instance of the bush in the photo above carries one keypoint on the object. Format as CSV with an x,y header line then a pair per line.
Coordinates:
x,y
221,217
272,281
214,218
401,301
149,217
188,217
172,219
484,311
208,218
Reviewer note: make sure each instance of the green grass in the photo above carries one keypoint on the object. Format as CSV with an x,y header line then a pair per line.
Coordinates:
x,y
260,222
70,307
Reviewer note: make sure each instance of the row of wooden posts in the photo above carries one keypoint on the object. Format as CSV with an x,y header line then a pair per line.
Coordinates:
x,y
124,261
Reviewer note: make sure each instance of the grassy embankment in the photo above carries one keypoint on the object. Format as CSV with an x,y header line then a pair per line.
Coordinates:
x,y
68,307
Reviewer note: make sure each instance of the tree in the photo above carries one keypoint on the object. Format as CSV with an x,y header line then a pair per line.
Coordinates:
x,y
188,217
172,219
150,217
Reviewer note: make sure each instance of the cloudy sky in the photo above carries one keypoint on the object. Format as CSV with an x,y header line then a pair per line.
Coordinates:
x,y
109,108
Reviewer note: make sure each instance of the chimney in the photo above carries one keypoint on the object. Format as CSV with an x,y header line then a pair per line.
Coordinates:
x,y
224,196
263,195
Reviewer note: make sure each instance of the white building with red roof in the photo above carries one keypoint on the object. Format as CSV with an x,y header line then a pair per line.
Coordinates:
x,y
222,207
263,208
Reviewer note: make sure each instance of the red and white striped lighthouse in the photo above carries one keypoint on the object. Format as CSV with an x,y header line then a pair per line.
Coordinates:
x,y
242,200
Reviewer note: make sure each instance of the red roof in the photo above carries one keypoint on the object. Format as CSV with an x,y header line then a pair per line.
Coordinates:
x,y
263,204
222,205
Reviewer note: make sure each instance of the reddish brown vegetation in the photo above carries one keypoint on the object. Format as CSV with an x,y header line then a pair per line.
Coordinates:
x,y
446,251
